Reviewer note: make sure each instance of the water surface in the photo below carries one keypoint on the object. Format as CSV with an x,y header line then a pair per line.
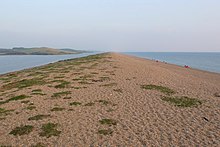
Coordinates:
x,y
11,63
205,61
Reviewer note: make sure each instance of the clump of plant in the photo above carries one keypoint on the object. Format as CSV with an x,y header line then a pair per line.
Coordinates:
x,y
60,94
39,117
49,129
25,102
63,84
22,130
89,104
75,103
37,92
39,145
109,85
24,83
4,112
57,109
15,98
105,131
182,101
104,78
104,102
109,122
162,89
31,107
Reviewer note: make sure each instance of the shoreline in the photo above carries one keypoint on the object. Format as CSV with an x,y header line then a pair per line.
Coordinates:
x,y
38,63
180,61
133,56
110,99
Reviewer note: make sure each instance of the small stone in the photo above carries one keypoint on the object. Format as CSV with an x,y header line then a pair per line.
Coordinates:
x,y
217,94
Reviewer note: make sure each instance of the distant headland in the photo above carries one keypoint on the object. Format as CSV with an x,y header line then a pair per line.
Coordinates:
x,y
39,51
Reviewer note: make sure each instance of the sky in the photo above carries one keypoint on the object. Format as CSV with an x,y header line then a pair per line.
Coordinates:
x,y
112,25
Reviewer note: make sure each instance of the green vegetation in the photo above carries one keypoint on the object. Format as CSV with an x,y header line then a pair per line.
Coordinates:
x,y
37,92
15,98
31,107
182,101
162,89
39,117
109,85
75,103
63,84
104,102
109,122
49,130
59,77
4,112
38,51
20,97
89,104
59,94
104,78
105,131
25,102
57,109
39,145
22,130
23,83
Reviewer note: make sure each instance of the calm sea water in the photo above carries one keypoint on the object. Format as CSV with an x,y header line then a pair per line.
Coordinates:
x,y
204,61
18,62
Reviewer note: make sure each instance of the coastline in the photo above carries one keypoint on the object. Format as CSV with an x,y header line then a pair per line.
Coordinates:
x,y
88,91
207,61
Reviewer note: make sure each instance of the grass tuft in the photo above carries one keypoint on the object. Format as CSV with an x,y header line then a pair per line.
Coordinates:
x,y
90,104
38,145
4,112
49,130
75,103
15,98
31,107
22,130
63,84
23,83
109,122
105,131
109,85
162,89
60,94
182,101
104,102
57,109
39,117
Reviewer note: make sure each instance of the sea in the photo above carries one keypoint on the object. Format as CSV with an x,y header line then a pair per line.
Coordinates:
x,y
208,61
204,61
10,63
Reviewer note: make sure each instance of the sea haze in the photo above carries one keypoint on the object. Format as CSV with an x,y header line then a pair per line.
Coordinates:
x,y
12,63
209,61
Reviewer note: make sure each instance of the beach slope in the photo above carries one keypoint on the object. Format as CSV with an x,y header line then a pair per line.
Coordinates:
x,y
110,100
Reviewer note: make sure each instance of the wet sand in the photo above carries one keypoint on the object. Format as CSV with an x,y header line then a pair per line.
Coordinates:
x,y
102,102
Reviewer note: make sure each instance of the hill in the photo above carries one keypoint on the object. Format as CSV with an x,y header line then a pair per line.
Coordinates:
x,y
38,51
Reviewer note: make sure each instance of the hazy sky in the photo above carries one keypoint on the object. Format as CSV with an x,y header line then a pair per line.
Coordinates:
x,y
117,25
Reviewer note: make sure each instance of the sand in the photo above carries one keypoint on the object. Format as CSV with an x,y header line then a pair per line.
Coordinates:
x,y
110,87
